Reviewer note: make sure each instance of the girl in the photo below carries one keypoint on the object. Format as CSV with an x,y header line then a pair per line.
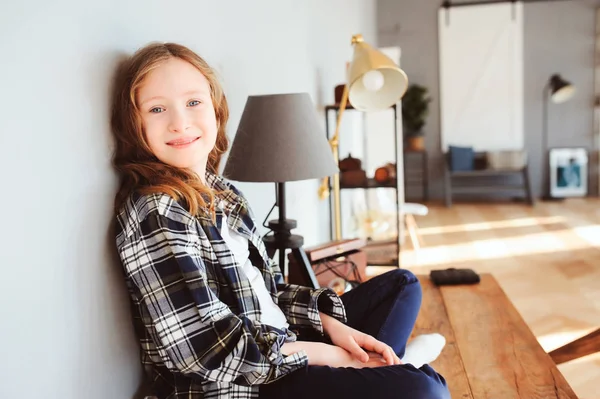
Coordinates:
x,y
211,312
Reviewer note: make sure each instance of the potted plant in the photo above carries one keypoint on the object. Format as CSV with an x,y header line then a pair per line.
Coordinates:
x,y
415,109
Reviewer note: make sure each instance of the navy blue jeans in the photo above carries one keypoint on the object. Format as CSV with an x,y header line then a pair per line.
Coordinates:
x,y
385,307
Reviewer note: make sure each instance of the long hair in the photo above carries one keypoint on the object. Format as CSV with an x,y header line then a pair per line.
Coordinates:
x,y
138,168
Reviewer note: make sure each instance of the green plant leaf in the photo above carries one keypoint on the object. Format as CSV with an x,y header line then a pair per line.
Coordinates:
x,y
415,109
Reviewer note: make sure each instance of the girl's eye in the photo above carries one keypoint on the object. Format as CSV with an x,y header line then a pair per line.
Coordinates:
x,y
193,103
156,110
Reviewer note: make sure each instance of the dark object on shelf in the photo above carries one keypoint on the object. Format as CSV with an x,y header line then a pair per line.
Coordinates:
x,y
461,158
339,93
334,260
453,178
382,175
263,121
350,163
480,163
386,173
353,178
454,276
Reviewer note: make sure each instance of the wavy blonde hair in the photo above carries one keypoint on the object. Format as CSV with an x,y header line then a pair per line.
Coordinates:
x,y
138,168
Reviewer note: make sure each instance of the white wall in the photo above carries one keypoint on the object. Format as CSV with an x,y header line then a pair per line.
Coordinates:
x,y
65,322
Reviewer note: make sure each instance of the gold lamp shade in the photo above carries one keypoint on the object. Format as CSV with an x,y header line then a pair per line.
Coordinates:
x,y
375,81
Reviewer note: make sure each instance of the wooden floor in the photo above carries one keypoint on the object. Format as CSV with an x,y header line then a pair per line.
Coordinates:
x,y
546,258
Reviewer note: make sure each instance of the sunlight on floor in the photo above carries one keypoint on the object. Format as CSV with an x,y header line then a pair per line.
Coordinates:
x,y
523,222
471,248
594,357
555,340
589,233
582,375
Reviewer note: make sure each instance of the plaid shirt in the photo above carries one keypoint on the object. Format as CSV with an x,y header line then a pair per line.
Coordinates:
x,y
195,313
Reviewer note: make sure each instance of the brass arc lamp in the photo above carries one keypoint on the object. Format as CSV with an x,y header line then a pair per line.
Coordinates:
x,y
374,82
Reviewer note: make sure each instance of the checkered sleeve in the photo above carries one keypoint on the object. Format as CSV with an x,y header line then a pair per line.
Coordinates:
x,y
196,333
301,305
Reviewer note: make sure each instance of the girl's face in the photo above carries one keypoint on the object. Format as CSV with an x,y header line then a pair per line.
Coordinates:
x,y
178,115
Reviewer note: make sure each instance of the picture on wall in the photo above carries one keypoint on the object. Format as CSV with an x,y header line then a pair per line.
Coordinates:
x,y
568,172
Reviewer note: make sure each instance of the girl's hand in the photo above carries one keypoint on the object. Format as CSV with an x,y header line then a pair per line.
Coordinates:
x,y
355,342
321,354
334,356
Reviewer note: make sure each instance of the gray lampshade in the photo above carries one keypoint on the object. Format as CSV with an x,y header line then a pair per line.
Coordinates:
x,y
279,139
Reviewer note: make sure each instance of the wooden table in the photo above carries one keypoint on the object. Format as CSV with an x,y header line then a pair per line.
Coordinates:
x,y
490,351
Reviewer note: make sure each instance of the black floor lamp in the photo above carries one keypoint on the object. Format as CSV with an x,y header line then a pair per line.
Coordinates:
x,y
280,139
558,90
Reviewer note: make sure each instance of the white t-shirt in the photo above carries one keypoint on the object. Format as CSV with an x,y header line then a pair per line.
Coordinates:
x,y
238,245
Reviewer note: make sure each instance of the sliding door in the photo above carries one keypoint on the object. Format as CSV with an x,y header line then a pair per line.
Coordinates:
x,y
481,76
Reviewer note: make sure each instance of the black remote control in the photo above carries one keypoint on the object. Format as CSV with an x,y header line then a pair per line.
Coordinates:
x,y
454,276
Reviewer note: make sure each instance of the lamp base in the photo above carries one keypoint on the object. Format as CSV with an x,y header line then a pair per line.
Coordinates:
x,y
282,240
282,237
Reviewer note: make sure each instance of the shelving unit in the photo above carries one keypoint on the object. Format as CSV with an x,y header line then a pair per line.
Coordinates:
x,y
371,183
416,178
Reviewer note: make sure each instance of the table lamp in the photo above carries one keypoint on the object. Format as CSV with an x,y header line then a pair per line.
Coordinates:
x,y
280,139
374,83
558,91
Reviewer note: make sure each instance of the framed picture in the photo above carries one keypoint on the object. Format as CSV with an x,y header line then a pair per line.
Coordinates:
x,y
568,172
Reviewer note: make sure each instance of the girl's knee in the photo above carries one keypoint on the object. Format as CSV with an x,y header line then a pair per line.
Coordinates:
x,y
405,278
413,383
430,385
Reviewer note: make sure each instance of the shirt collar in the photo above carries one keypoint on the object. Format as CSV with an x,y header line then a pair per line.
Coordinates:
x,y
233,200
